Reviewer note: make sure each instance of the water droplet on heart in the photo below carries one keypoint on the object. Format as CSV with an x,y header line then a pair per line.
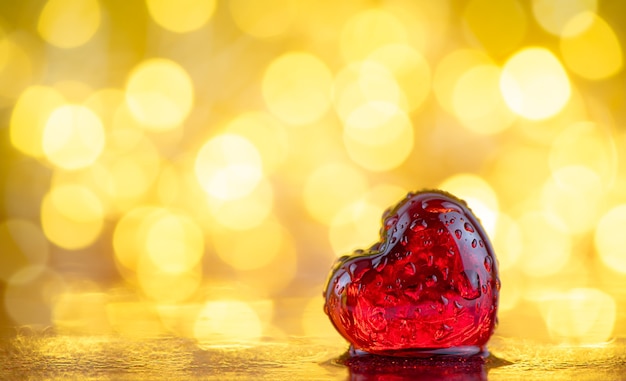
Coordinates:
x,y
474,243
458,233
458,305
488,264
484,288
431,260
390,221
469,284
444,300
445,271
440,231
418,224
481,243
451,252
469,227
379,263
404,240
431,280
410,268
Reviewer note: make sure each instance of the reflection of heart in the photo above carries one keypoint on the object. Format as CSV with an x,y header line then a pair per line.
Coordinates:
x,y
429,286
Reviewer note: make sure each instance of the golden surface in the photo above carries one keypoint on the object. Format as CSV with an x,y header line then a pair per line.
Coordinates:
x,y
52,357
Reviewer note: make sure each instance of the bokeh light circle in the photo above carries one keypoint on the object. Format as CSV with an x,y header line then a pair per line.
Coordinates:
x,y
610,239
297,88
159,93
73,137
69,23
534,84
228,167
181,16
72,216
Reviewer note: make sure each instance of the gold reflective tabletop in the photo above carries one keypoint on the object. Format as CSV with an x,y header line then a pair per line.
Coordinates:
x,y
39,356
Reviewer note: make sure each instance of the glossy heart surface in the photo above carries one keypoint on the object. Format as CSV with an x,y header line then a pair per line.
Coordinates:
x,y
429,286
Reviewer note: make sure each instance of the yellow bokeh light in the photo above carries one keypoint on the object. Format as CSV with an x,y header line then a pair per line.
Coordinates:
x,y
585,144
524,166
69,23
554,15
72,216
362,82
22,244
17,68
130,234
511,292
331,187
410,69
354,227
315,323
262,244
159,93
284,268
368,31
610,239
169,187
227,323
376,123
581,316
378,136
181,16
74,91
174,243
450,69
105,103
545,248
572,195
81,312
29,296
264,19
534,84
479,196
499,26
357,224
228,167
30,115
546,130
507,242
126,170
267,134
297,88
596,52
134,319
165,286
245,212
478,102
73,137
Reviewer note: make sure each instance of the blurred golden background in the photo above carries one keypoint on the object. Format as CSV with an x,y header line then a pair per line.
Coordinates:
x,y
192,168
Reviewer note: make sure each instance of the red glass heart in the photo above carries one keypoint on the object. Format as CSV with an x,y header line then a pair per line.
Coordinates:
x,y
429,286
